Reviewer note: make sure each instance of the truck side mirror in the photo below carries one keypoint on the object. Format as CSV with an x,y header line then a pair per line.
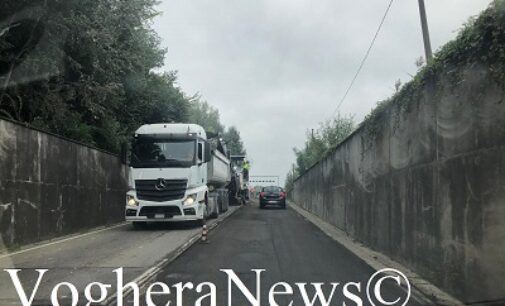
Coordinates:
x,y
208,152
123,153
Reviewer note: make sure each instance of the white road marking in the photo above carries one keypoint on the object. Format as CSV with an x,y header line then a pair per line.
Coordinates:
x,y
60,241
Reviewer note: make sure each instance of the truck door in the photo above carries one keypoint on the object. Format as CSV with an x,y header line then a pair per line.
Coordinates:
x,y
202,167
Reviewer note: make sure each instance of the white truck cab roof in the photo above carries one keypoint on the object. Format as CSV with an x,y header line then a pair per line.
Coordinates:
x,y
176,129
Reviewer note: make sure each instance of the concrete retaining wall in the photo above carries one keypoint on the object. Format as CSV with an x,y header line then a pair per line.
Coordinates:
x,y
425,184
50,186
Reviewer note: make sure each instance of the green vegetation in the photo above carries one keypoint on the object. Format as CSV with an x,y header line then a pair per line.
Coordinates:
x,y
233,141
289,183
205,115
318,144
84,69
480,43
208,117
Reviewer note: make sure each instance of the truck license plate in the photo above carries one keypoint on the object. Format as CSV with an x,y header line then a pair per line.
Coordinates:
x,y
159,216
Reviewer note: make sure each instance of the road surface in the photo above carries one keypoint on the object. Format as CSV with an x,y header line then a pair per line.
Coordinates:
x,y
92,257
286,246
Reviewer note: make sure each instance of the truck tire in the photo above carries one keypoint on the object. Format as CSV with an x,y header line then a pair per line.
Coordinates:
x,y
201,222
215,207
223,202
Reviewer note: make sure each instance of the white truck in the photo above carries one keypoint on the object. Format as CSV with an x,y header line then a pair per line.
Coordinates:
x,y
176,174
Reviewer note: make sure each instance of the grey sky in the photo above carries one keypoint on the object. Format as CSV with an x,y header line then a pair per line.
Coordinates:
x,y
275,68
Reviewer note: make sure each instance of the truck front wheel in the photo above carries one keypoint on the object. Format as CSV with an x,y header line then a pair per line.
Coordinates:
x,y
215,206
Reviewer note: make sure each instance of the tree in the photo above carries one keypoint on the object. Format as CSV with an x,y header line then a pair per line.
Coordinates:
x,y
84,69
336,130
290,180
203,114
233,141
90,78
329,135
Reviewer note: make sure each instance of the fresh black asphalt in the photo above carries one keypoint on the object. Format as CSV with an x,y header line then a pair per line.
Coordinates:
x,y
288,247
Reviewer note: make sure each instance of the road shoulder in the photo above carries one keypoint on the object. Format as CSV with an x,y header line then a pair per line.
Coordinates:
x,y
6,252
422,288
151,273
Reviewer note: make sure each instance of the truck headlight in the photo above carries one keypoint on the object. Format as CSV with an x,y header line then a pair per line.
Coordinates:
x,y
130,201
191,199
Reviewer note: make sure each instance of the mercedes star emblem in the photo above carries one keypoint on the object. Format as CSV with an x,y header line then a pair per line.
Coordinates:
x,y
161,184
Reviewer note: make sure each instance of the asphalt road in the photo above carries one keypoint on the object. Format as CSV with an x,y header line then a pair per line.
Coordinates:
x,y
91,257
288,247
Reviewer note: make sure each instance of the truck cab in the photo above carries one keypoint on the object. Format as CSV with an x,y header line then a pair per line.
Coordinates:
x,y
168,174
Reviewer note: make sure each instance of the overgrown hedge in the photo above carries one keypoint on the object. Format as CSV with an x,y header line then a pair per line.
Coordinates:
x,y
480,42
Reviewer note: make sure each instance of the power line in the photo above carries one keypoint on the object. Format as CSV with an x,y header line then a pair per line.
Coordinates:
x,y
364,59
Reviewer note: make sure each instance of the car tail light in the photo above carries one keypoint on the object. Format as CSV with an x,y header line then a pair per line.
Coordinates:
x,y
262,194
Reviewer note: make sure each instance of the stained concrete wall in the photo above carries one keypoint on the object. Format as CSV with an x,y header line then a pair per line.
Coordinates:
x,y
426,185
50,186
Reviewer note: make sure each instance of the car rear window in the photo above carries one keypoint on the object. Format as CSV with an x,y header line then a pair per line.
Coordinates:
x,y
272,189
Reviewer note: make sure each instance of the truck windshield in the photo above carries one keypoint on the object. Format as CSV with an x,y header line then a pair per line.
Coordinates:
x,y
150,153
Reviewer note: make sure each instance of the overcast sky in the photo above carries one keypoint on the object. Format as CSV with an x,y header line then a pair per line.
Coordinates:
x,y
275,68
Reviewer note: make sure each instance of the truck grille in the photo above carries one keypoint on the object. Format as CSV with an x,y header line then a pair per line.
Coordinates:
x,y
168,211
160,190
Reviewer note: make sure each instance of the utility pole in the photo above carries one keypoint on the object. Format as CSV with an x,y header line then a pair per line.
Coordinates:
x,y
426,32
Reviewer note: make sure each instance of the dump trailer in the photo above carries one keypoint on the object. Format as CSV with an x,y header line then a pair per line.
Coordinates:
x,y
176,173
218,176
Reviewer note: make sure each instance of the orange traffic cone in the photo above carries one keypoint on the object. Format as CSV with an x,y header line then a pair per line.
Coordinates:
x,y
204,234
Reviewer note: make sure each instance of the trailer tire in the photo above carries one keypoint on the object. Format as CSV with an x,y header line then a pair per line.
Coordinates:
x,y
223,202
